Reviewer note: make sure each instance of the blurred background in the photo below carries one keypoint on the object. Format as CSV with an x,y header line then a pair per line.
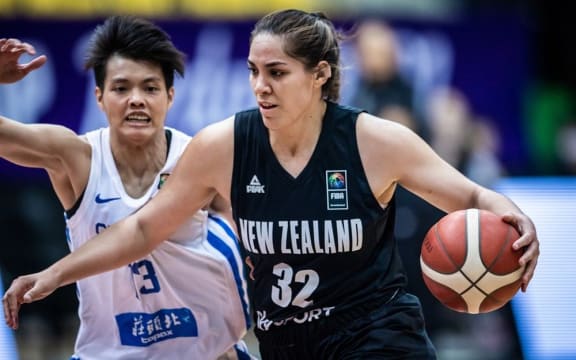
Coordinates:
x,y
489,84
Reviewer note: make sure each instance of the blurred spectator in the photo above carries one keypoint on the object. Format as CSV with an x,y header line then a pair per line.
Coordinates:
x,y
566,147
449,121
483,164
468,142
381,90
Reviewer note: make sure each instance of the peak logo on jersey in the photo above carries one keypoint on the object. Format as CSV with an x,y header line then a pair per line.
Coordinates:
x,y
255,187
101,200
336,190
163,178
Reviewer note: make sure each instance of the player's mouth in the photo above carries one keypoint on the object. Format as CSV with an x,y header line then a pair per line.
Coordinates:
x,y
138,118
266,106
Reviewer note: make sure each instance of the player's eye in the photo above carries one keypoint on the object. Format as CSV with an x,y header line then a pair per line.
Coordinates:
x,y
276,73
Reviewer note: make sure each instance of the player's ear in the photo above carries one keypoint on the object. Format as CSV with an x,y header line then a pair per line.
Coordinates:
x,y
98,93
171,93
323,72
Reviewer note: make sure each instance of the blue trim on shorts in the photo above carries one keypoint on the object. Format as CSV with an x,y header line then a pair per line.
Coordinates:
x,y
242,352
228,252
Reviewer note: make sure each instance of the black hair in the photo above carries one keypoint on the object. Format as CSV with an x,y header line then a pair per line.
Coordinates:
x,y
136,39
308,37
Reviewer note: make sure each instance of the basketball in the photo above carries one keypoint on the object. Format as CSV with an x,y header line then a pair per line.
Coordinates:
x,y
468,262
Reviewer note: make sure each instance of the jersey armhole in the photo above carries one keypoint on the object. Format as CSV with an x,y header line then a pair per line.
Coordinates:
x,y
70,212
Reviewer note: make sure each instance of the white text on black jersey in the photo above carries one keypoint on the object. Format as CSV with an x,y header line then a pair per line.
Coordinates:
x,y
301,236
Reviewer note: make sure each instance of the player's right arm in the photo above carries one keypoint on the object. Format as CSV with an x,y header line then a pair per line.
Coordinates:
x,y
57,149
26,145
203,171
34,145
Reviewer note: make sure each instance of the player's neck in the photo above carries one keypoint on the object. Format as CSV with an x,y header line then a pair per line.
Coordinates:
x,y
139,164
294,147
301,135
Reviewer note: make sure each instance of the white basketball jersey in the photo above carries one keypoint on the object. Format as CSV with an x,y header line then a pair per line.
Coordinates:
x,y
186,300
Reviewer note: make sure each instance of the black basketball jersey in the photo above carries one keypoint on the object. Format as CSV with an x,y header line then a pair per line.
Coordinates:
x,y
319,243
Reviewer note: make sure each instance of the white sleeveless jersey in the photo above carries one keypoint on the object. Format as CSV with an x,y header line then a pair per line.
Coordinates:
x,y
186,300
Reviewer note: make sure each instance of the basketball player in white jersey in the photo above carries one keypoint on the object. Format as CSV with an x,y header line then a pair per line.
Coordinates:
x,y
187,299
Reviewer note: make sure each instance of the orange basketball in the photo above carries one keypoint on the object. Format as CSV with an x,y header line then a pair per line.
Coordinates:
x,y
468,262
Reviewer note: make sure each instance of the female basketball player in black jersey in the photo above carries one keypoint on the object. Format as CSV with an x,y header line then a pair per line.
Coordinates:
x,y
312,189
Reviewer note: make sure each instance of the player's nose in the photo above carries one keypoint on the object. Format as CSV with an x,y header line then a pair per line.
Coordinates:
x,y
136,98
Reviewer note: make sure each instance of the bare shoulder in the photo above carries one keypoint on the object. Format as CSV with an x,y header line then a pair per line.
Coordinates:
x,y
72,149
215,142
217,133
375,130
210,155
70,169
56,138
387,149
68,136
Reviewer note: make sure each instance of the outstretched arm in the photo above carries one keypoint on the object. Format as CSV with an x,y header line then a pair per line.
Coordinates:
x,y
45,146
10,69
64,155
203,171
56,149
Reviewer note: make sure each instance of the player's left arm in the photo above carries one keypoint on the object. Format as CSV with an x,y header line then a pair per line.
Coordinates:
x,y
393,154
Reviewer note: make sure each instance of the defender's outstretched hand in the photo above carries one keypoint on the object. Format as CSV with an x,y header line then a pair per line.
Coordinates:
x,y
26,289
10,52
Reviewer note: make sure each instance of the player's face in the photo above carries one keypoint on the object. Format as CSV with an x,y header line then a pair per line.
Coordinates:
x,y
134,98
285,90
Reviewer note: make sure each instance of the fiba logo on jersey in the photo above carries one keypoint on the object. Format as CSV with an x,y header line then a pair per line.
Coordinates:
x,y
336,190
255,187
